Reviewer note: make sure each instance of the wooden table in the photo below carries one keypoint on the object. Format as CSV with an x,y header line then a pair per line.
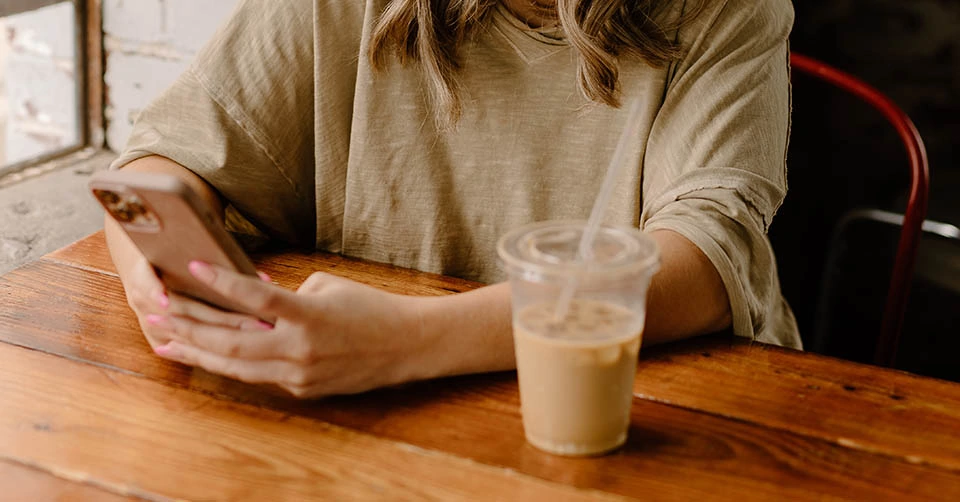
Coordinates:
x,y
88,412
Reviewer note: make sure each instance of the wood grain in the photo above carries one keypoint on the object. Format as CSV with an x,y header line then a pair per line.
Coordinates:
x,y
89,252
290,269
859,406
140,437
673,450
23,483
912,417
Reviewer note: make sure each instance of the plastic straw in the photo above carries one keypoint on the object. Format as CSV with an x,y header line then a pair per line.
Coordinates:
x,y
585,249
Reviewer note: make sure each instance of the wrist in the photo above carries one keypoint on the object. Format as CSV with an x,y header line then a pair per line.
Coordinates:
x,y
459,334
423,355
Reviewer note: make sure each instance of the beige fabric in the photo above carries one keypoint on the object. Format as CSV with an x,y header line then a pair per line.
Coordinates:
x,y
282,114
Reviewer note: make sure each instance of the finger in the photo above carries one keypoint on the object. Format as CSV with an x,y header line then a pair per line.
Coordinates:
x,y
144,288
258,372
305,391
321,389
183,306
264,277
159,325
155,336
147,295
155,331
255,342
267,300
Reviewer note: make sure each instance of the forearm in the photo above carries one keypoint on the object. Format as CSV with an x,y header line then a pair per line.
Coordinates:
x,y
687,296
465,333
472,333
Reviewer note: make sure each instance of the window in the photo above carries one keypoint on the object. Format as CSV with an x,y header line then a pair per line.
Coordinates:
x,y
47,101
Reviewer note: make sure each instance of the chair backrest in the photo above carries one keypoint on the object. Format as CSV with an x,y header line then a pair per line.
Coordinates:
x,y
864,242
916,207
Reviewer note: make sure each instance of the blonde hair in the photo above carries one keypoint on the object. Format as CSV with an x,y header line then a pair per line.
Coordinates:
x,y
430,32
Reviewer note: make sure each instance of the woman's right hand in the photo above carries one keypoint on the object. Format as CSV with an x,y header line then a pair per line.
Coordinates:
x,y
152,303
146,294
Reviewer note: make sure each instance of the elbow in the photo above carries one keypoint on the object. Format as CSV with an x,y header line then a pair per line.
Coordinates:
x,y
717,314
722,317
715,302
688,296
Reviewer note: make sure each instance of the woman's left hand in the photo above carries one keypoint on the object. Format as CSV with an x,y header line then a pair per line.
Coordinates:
x,y
333,336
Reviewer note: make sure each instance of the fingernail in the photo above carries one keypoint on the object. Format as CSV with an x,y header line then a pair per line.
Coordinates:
x,y
156,320
264,277
168,351
163,300
202,271
256,325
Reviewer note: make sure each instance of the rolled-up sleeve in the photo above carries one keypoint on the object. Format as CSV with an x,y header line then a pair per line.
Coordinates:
x,y
241,118
715,169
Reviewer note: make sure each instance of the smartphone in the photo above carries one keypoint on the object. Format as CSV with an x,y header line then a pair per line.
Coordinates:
x,y
172,226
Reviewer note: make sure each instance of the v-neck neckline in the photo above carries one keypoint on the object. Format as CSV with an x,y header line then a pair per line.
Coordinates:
x,y
531,44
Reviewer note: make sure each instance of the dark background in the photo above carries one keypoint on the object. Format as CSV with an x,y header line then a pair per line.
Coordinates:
x,y
844,155
908,49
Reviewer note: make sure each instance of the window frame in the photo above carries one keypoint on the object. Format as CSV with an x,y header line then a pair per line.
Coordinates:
x,y
88,22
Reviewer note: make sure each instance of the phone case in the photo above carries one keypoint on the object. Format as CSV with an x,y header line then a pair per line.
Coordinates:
x,y
171,226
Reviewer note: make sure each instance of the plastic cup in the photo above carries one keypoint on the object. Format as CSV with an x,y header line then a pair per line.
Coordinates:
x,y
576,374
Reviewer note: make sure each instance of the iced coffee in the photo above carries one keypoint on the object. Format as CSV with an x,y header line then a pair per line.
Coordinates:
x,y
576,372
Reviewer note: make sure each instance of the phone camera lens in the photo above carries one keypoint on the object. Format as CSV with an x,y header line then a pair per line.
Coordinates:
x,y
136,208
107,196
122,213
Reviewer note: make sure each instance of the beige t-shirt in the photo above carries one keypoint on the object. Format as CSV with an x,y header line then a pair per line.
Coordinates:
x,y
283,115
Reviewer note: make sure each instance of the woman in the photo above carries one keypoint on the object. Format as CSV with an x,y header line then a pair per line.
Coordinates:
x,y
416,132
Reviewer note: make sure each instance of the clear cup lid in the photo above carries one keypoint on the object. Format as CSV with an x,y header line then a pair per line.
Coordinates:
x,y
550,248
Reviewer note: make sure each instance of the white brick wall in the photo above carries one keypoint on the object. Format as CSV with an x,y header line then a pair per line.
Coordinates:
x,y
148,44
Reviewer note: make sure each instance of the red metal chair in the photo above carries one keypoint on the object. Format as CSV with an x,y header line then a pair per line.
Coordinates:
x,y
899,290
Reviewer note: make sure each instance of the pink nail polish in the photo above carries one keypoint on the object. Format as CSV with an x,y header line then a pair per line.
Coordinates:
x,y
265,325
264,277
202,271
168,351
155,320
163,300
